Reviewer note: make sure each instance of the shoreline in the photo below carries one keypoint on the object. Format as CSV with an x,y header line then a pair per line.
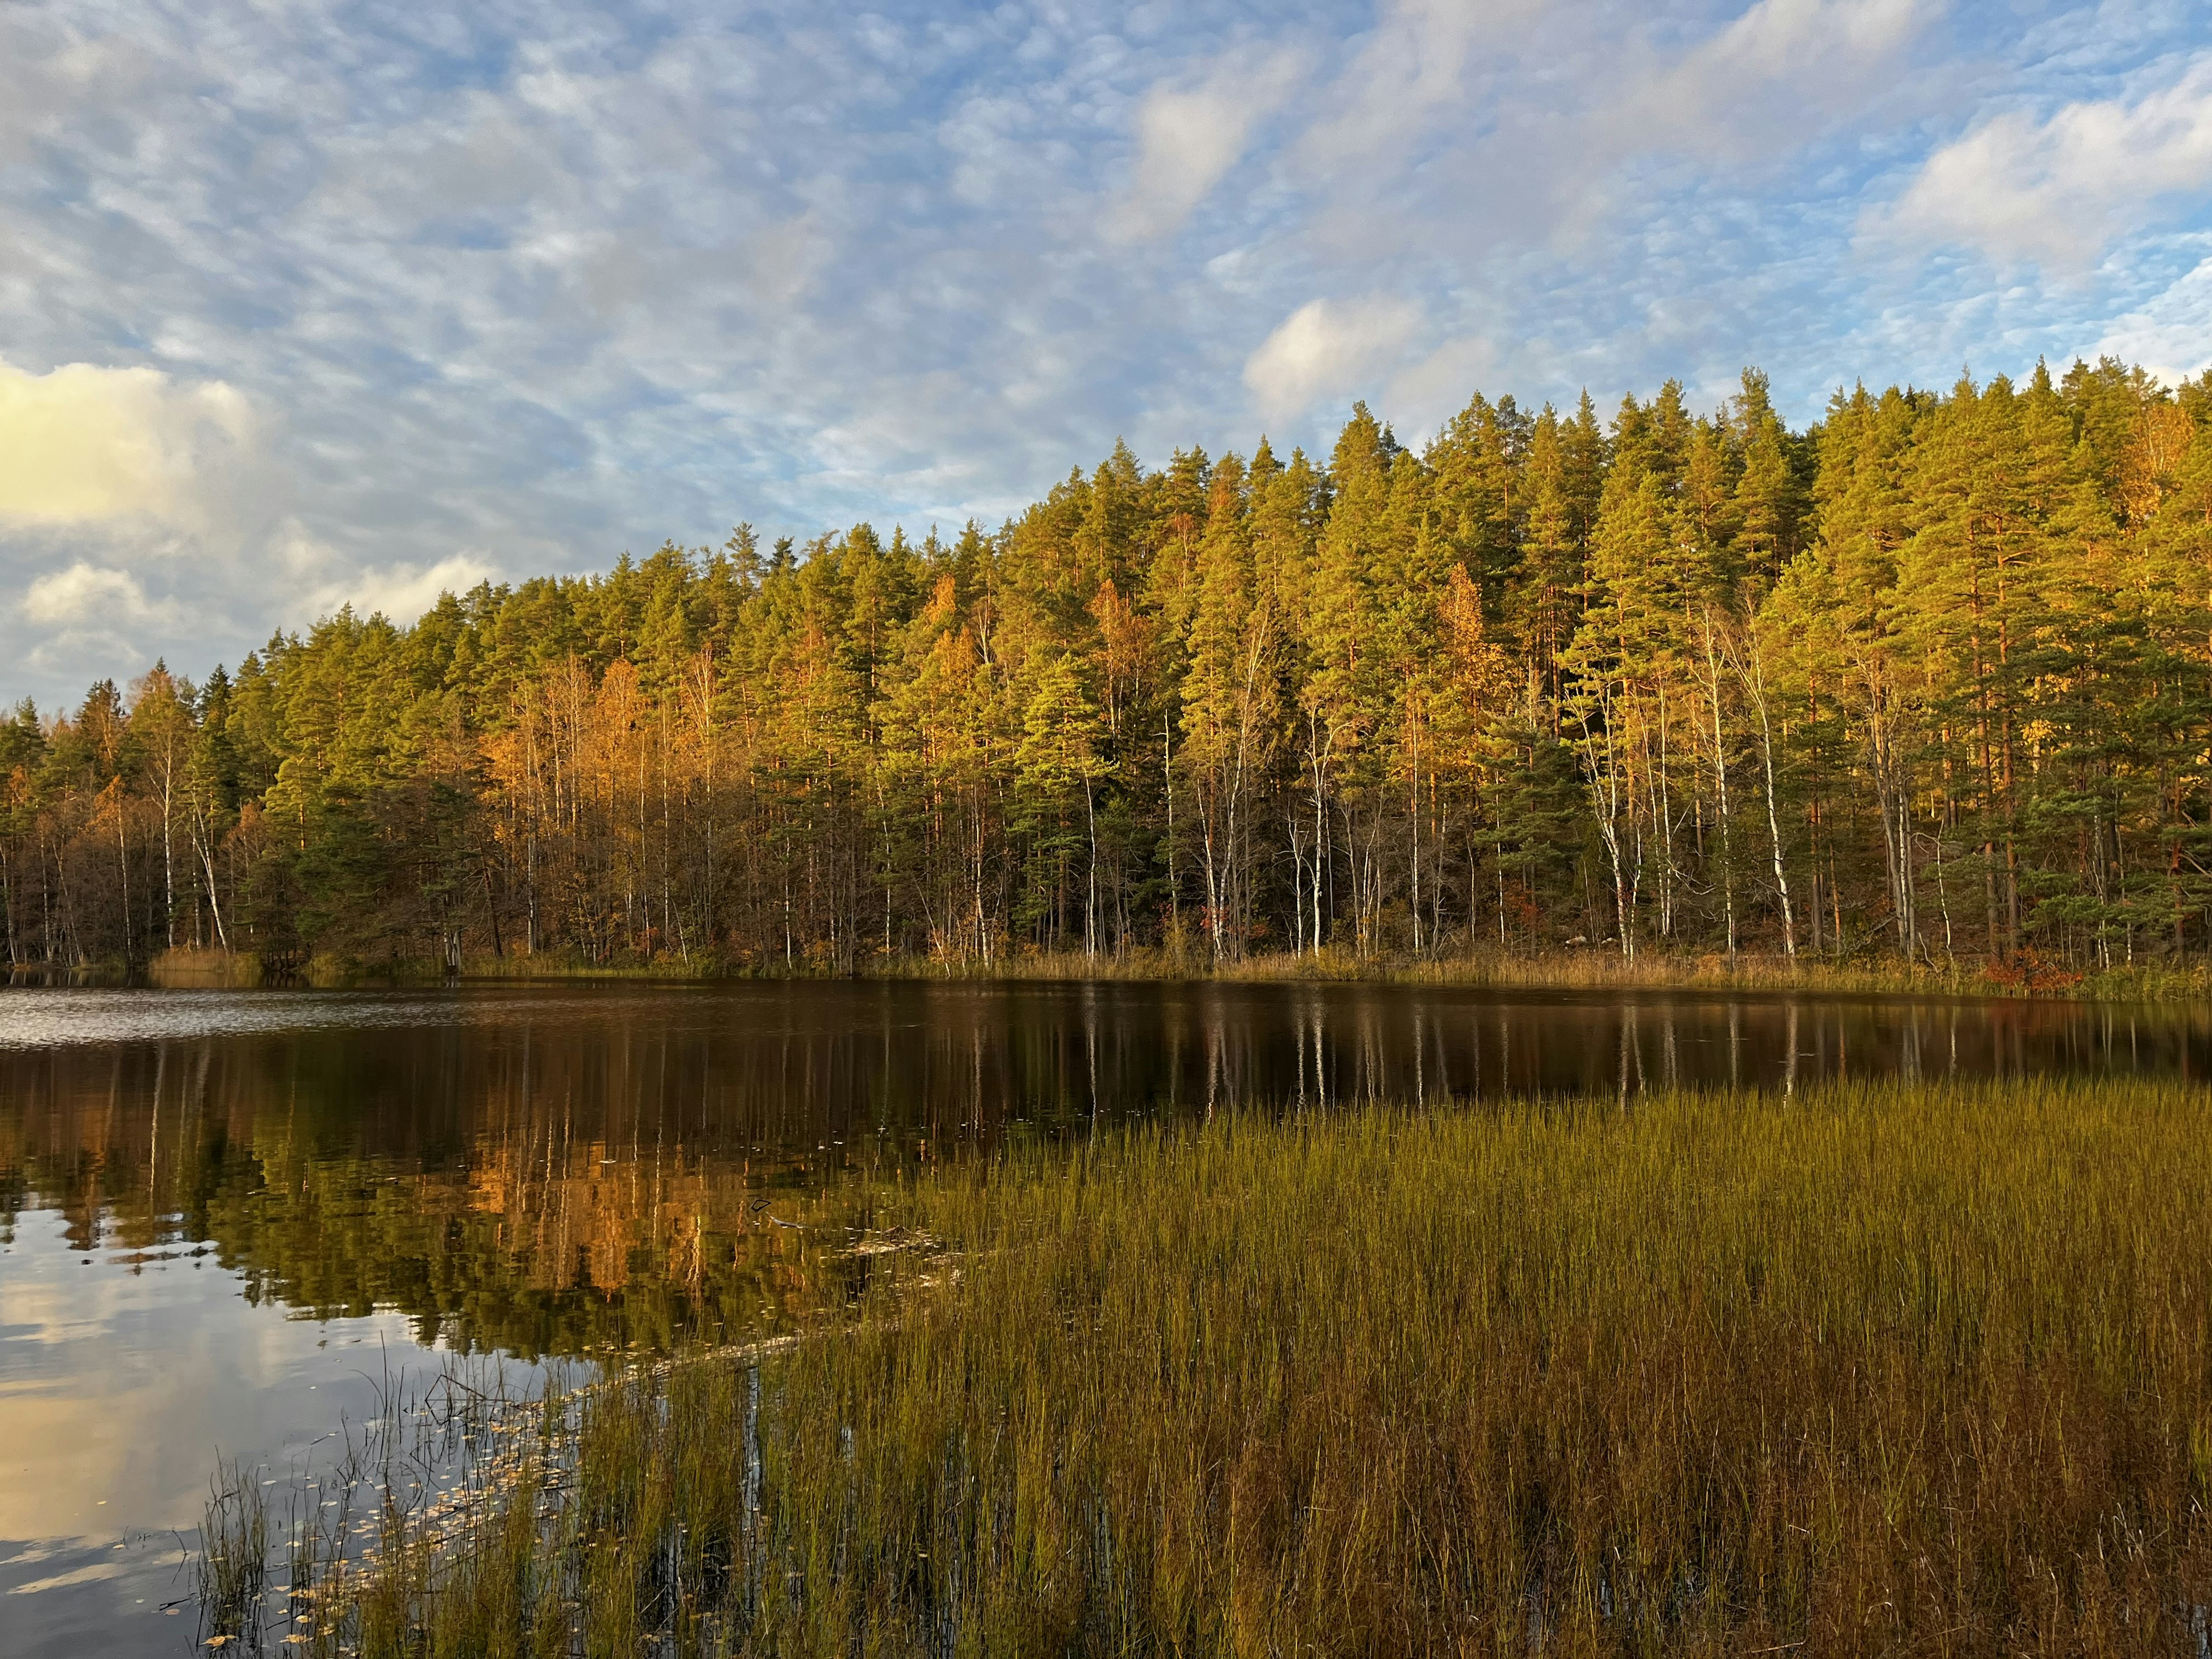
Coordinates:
x,y
1588,969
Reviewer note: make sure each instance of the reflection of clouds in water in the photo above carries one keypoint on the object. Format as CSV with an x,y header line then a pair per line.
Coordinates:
x,y
186,1365
557,1169
64,1577
46,1019
102,1466
120,1382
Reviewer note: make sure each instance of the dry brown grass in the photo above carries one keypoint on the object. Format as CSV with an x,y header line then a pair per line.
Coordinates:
x,y
1591,970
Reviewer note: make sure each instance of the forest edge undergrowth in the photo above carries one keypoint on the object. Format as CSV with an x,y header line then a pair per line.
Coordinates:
x,y
1595,971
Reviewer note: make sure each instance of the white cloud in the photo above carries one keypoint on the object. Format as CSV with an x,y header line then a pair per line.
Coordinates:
x,y
1461,131
92,620
1415,63
1426,393
87,594
86,445
49,77
2060,191
541,288
1189,136
1327,349
401,592
1749,90
2170,333
1779,40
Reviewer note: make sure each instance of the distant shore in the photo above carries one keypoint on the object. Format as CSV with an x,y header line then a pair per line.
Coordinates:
x,y
1584,969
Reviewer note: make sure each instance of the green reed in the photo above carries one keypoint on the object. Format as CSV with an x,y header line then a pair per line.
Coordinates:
x,y
1878,1369
232,1568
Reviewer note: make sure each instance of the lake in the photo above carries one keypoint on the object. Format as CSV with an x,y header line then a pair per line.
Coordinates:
x,y
235,1221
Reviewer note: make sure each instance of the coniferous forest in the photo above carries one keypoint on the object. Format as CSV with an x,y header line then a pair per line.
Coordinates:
x,y
1930,682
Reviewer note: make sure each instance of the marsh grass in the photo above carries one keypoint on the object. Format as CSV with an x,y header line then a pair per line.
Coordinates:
x,y
200,967
406,1488
232,1569
1486,968
1876,1369
1598,969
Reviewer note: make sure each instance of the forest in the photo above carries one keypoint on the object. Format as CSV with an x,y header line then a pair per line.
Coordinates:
x,y
1929,683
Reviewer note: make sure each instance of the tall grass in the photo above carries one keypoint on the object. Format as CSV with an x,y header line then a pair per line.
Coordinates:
x,y
202,968
231,1568
1886,1369
1487,967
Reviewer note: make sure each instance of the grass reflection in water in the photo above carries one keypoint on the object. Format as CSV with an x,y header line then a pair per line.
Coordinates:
x,y
1874,1369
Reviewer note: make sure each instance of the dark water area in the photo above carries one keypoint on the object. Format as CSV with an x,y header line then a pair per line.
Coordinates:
x,y
230,1221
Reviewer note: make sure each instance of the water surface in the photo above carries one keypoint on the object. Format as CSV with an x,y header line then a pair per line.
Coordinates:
x,y
228,1220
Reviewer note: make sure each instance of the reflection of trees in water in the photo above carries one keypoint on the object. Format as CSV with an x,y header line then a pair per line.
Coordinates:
x,y
1337,1046
587,1175
554,1219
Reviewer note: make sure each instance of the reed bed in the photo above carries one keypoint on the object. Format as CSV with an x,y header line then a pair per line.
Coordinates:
x,y
1878,1369
1592,968
1485,967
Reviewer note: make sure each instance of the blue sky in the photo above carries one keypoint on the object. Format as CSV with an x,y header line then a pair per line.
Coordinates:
x,y
309,304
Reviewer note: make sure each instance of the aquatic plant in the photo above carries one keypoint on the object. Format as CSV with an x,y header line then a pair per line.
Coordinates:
x,y
1871,1368
232,1568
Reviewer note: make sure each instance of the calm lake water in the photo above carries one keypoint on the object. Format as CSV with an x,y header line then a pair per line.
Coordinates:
x,y
228,1220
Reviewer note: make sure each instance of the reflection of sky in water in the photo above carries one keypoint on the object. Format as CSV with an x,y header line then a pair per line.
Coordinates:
x,y
104,1469
577,1169
43,1018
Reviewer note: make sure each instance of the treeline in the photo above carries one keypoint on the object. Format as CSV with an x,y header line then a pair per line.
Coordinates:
x,y
1932,680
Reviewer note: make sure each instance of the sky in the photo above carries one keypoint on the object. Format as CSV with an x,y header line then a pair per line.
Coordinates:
x,y
313,304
